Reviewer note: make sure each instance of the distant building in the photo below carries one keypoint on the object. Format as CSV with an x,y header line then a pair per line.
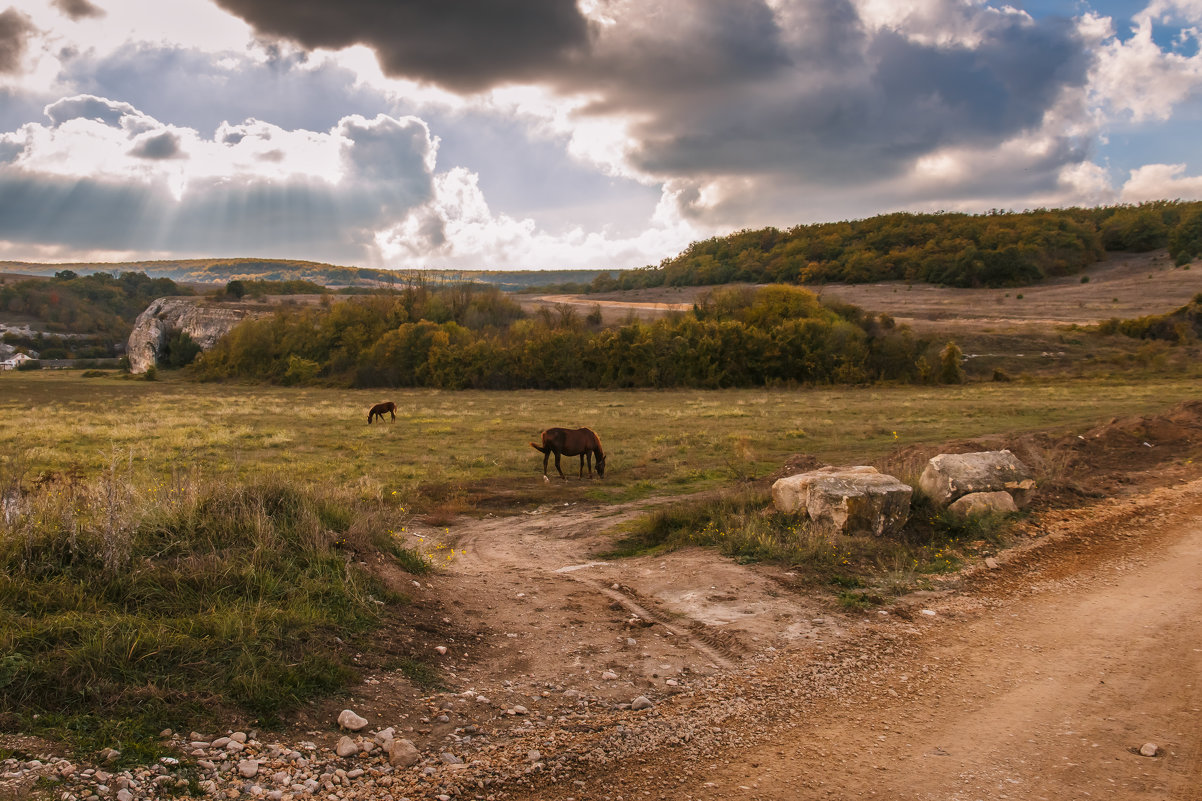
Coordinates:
x,y
15,361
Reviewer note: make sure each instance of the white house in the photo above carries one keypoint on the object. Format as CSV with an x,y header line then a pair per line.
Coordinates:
x,y
14,362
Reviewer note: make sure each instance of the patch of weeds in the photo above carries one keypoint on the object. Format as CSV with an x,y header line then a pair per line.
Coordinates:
x,y
412,561
420,673
135,736
859,600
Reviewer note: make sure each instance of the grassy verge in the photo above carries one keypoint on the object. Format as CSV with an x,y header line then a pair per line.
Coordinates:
x,y
862,571
127,608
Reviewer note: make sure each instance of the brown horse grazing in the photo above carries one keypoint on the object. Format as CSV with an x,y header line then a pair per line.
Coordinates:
x,y
580,442
379,409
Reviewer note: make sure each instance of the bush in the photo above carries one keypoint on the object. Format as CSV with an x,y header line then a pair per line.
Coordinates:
x,y
951,370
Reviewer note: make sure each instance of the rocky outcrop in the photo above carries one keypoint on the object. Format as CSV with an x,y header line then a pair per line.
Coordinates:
x,y
846,500
949,476
204,321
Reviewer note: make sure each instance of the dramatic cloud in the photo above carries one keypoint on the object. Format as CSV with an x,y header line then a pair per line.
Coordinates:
x,y
552,133
78,9
104,177
15,29
466,45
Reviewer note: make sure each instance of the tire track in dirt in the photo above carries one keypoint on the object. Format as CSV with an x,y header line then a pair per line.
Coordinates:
x,y
556,546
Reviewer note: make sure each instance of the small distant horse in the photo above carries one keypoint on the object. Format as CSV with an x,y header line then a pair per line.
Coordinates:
x,y
580,442
379,409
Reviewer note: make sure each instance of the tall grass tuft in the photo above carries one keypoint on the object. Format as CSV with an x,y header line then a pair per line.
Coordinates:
x,y
861,570
182,595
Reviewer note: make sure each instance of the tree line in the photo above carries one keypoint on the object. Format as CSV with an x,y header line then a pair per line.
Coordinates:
x,y
476,337
996,249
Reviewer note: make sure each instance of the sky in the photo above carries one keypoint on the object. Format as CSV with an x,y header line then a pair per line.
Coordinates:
x,y
556,134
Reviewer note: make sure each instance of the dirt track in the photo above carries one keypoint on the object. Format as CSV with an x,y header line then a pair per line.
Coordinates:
x,y
1039,679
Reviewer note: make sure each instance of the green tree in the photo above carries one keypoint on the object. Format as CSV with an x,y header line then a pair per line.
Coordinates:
x,y
950,369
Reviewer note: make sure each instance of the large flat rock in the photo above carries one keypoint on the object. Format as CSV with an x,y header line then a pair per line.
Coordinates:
x,y
846,500
949,476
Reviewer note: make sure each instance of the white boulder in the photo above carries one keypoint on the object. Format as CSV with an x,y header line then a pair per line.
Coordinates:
x,y
982,503
846,500
949,476
348,720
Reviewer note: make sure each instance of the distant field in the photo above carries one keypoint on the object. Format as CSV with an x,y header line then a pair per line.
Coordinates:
x,y
464,449
1122,285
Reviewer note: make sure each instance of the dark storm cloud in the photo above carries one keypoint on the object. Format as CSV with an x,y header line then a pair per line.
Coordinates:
x,y
15,29
78,9
159,146
838,103
194,89
464,45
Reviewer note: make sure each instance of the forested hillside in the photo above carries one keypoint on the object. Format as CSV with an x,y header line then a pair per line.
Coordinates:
x,y
222,271
99,304
472,337
962,250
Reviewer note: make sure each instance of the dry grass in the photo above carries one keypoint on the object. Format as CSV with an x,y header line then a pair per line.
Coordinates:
x,y
450,452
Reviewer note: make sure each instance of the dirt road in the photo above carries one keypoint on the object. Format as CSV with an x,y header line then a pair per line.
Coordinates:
x,y
1047,692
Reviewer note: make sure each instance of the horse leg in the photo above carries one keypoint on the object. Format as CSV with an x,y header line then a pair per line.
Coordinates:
x,y
546,456
391,412
557,467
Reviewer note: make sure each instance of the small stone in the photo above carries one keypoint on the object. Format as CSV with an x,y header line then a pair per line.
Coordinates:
x,y
929,612
346,747
238,736
520,710
450,759
609,675
350,721
385,735
220,742
125,795
1149,749
233,746
165,733
442,649
642,702
533,756
402,753
248,768
992,563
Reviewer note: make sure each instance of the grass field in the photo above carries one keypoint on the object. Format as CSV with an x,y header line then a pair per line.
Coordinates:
x,y
169,527
450,442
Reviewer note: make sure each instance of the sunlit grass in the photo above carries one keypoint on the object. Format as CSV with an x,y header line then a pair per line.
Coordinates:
x,y
685,440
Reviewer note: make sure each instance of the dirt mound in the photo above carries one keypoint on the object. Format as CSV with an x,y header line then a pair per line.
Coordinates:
x,y
1085,464
797,463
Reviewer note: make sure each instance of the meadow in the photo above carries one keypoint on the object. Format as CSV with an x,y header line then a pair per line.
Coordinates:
x,y
172,549
658,442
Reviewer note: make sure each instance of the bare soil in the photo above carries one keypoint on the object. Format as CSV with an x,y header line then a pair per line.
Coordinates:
x,y
1037,676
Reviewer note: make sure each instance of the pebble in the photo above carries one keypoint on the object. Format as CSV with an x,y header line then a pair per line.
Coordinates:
x,y
248,768
609,675
1149,749
346,747
642,702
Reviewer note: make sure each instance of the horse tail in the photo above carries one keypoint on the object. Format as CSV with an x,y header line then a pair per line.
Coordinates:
x,y
537,448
